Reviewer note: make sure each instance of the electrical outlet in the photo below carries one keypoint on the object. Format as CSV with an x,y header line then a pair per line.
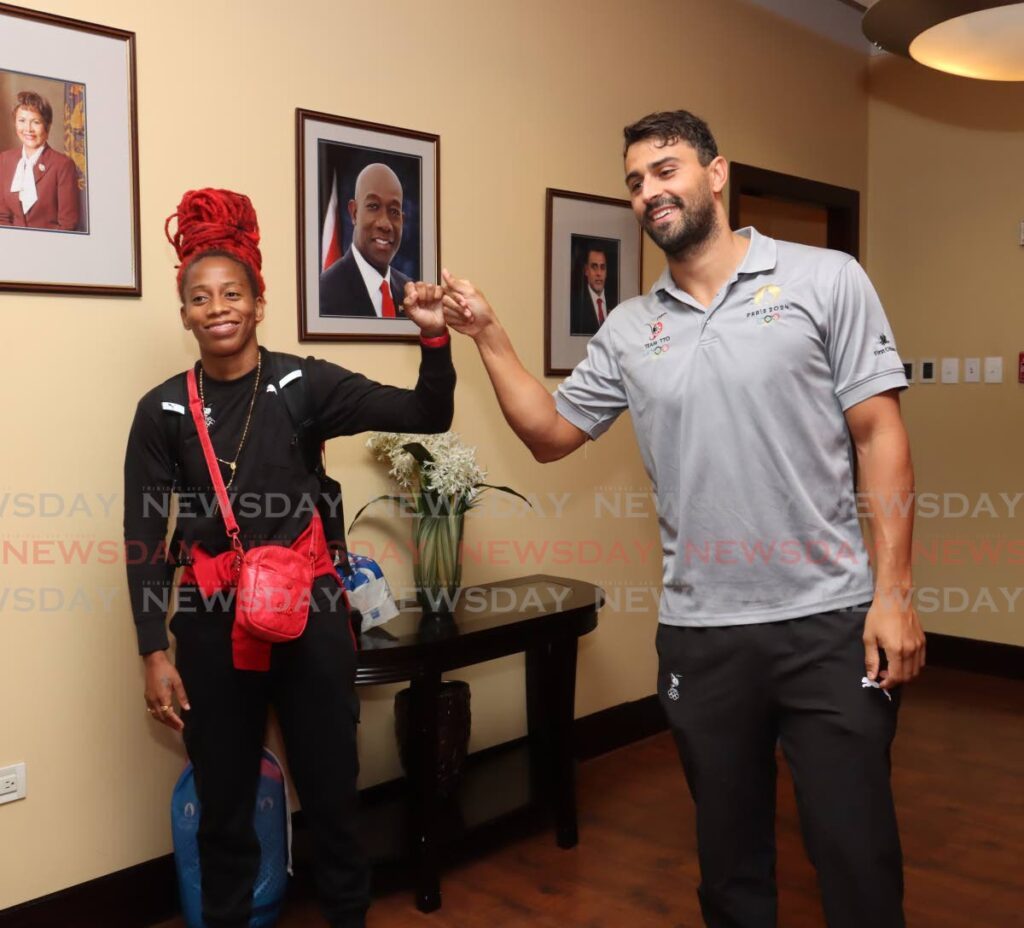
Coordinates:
x,y
950,370
993,370
972,370
12,783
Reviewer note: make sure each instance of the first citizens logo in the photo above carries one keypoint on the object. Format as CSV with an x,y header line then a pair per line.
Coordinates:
x,y
884,345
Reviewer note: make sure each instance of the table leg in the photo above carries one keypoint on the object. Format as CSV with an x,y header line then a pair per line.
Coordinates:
x,y
550,703
563,666
538,727
422,773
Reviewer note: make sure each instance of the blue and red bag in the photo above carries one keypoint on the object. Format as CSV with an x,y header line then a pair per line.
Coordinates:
x,y
272,820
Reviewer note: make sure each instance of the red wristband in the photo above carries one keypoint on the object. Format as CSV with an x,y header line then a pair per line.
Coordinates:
x,y
438,341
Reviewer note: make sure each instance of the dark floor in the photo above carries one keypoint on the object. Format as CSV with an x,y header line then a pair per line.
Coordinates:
x,y
959,781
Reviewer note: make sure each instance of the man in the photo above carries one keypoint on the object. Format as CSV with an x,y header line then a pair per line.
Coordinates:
x,y
362,282
747,369
589,305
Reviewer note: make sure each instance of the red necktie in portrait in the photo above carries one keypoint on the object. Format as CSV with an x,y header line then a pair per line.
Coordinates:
x,y
600,310
388,304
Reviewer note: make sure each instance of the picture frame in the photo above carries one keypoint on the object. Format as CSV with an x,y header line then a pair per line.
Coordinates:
x,y
75,228
368,210
593,262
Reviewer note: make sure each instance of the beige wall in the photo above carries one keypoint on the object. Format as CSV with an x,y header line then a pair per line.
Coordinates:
x,y
943,224
524,96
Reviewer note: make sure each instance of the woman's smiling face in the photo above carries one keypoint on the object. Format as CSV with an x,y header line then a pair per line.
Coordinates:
x,y
219,307
30,128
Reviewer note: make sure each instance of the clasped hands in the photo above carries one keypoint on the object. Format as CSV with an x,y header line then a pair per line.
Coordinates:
x,y
453,302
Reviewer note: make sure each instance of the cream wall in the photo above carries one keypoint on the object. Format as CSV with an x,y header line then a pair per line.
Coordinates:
x,y
943,225
524,96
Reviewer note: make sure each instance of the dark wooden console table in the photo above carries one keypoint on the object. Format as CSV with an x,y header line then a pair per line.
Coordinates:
x,y
539,615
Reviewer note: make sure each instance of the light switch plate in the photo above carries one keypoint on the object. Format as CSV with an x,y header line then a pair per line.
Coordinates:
x,y
972,370
950,370
926,368
993,370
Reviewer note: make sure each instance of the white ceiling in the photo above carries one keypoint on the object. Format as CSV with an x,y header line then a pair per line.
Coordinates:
x,y
838,20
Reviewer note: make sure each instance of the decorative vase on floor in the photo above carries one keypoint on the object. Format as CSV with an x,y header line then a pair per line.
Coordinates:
x,y
453,724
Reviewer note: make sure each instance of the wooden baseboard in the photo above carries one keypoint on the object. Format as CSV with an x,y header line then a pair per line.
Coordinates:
x,y
132,898
988,657
618,726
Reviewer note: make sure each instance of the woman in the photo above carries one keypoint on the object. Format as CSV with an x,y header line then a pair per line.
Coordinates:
x,y
38,186
310,680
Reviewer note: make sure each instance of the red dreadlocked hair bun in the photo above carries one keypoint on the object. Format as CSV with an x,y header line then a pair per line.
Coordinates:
x,y
217,221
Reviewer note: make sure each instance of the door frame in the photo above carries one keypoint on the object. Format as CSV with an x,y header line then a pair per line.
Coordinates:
x,y
842,204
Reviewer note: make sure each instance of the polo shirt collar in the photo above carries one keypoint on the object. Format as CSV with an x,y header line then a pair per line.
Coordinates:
x,y
760,257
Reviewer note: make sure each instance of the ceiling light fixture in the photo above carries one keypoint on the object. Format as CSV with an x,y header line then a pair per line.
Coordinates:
x,y
970,38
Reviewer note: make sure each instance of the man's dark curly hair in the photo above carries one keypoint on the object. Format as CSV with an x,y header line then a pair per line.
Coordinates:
x,y
671,127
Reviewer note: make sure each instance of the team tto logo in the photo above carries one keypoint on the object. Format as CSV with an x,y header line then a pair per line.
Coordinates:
x,y
658,343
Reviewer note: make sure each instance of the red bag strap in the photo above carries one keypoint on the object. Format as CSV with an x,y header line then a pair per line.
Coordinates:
x,y
195,405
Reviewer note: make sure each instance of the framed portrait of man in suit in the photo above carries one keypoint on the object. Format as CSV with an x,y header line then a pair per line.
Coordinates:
x,y
368,223
593,263
69,200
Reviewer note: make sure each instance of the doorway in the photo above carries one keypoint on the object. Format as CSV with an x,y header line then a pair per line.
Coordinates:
x,y
794,208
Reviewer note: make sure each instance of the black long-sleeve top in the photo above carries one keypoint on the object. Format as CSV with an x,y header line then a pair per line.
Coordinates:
x,y
274,490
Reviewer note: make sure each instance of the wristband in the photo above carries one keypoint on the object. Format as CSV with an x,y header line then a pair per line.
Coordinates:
x,y
437,341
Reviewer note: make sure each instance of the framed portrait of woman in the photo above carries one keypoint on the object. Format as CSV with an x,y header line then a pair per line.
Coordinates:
x,y
69,201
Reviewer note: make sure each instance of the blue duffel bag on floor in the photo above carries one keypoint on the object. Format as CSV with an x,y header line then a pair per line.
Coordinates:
x,y
273,826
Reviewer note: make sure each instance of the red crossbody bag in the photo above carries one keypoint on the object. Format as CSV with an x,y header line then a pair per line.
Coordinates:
x,y
273,583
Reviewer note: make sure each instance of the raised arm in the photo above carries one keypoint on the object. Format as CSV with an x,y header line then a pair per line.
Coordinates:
x,y
347,403
526,404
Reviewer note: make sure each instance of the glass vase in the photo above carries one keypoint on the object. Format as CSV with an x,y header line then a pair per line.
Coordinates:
x,y
437,568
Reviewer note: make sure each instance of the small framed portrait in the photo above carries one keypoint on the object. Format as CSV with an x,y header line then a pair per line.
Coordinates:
x,y
69,180
593,263
368,223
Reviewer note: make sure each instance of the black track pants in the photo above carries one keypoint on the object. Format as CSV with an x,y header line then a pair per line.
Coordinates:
x,y
731,693
310,684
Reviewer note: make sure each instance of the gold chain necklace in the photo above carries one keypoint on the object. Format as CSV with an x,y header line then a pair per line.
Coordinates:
x,y
245,431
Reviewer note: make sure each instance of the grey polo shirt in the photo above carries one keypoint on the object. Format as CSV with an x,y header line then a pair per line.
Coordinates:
x,y
738,411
